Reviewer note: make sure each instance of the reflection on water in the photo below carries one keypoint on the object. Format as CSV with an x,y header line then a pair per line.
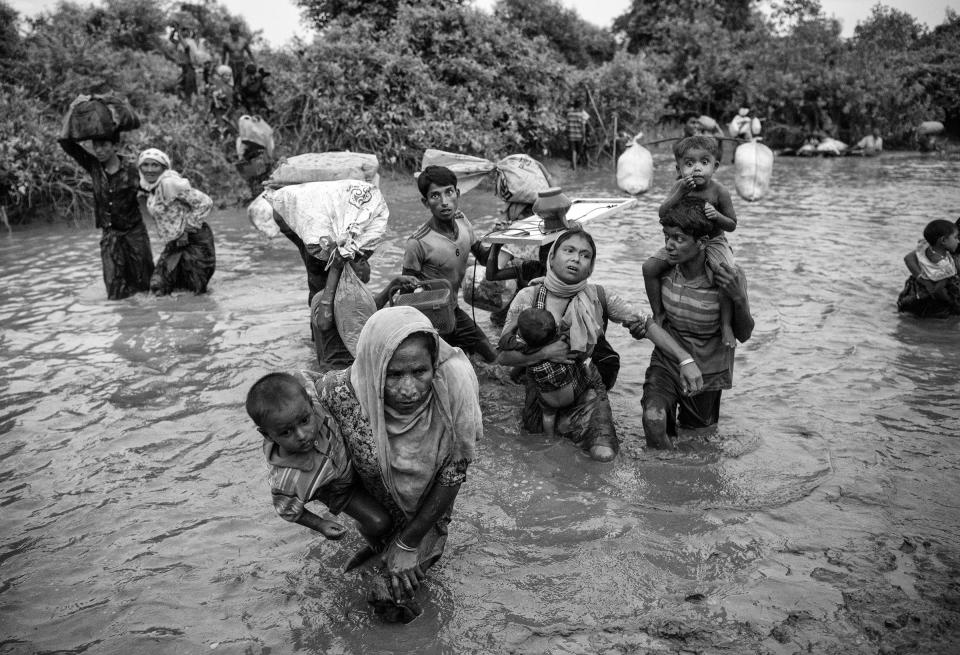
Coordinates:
x,y
822,515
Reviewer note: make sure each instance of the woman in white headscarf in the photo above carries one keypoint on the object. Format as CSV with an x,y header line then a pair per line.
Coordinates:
x,y
409,412
188,259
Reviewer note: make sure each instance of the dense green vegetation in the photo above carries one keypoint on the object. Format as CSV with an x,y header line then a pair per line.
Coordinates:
x,y
394,77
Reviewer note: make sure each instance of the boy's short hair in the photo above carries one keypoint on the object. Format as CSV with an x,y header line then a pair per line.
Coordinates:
x,y
937,229
537,326
701,141
439,175
271,391
689,217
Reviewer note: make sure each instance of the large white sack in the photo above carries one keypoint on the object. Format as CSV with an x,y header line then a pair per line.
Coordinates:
x,y
830,146
260,213
635,168
929,127
469,170
521,178
348,214
255,130
325,167
753,168
353,304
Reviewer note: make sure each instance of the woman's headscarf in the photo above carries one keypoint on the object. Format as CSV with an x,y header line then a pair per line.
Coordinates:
x,y
580,317
170,184
454,398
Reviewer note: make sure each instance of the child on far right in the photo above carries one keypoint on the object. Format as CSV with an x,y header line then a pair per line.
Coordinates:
x,y
698,158
933,288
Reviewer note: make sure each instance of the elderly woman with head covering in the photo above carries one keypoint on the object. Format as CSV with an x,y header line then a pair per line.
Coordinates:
x,y
188,258
582,310
409,412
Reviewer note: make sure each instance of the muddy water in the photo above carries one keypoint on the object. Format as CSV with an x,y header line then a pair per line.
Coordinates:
x,y
822,517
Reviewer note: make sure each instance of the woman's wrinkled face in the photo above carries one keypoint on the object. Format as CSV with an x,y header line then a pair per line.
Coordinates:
x,y
151,170
573,260
409,375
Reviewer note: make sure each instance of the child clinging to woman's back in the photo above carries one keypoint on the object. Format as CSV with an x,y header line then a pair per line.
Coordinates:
x,y
698,158
308,460
558,385
933,288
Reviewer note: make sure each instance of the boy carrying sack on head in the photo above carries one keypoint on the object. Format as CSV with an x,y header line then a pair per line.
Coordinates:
x,y
698,158
308,460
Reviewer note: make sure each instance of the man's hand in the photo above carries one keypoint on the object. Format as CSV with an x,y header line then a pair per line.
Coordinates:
x,y
691,380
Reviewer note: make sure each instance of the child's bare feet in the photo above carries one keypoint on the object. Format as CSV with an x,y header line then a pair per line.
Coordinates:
x,y
729,340
332,530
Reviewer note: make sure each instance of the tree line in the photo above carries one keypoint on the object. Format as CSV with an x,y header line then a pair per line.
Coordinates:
x,y
394,77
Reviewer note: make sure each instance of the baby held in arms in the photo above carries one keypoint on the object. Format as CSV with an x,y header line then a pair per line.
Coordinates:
x,y
558,384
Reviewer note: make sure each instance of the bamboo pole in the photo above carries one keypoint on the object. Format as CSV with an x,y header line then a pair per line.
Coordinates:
x,y
613,152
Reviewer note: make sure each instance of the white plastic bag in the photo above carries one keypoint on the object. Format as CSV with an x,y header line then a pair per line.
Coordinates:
x,y
260,213
350,215
255,130
353,304
325,167
635,168
753,168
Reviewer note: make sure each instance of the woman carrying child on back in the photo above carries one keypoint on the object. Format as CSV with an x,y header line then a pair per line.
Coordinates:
x,y
698,158
188,259
933,288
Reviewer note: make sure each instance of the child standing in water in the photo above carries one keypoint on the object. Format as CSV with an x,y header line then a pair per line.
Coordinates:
x,y
308,459
698,158
558,385
933,288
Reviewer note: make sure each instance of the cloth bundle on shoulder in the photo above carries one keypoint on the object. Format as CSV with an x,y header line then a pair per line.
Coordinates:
x,y
100,117
635,168
350,215
519,178
325,167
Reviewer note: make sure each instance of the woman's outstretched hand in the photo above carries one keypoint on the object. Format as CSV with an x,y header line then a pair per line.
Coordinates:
x,y
404,570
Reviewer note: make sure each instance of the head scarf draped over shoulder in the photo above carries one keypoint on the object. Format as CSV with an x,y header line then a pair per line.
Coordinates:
x,y
453,405
585,327
170,184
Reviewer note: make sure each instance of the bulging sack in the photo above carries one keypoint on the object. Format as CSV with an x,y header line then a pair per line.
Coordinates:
x,y
325,167
753,168
521,178
489,295
350,215
469,170
353,304
100,117
635,168
260,213
927,128
255,130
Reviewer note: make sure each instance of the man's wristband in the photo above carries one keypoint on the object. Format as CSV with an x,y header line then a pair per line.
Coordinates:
x,y
688,360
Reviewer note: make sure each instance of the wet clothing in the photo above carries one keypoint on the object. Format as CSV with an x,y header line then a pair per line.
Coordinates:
x,y
589,421
189,258
398,458
322,474
692,318
915,299
430,255
124,245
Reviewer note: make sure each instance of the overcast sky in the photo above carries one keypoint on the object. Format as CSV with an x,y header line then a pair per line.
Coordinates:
x,y
280,19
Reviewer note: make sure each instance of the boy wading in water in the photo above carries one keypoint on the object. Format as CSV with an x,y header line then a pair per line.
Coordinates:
x,y
697,160
125,244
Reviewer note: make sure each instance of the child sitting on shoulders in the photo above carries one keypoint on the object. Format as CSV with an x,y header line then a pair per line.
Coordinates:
x,y
309,461
698,158
558,385
933,288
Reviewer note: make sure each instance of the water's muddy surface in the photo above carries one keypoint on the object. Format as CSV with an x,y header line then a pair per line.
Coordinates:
x,y
822,518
